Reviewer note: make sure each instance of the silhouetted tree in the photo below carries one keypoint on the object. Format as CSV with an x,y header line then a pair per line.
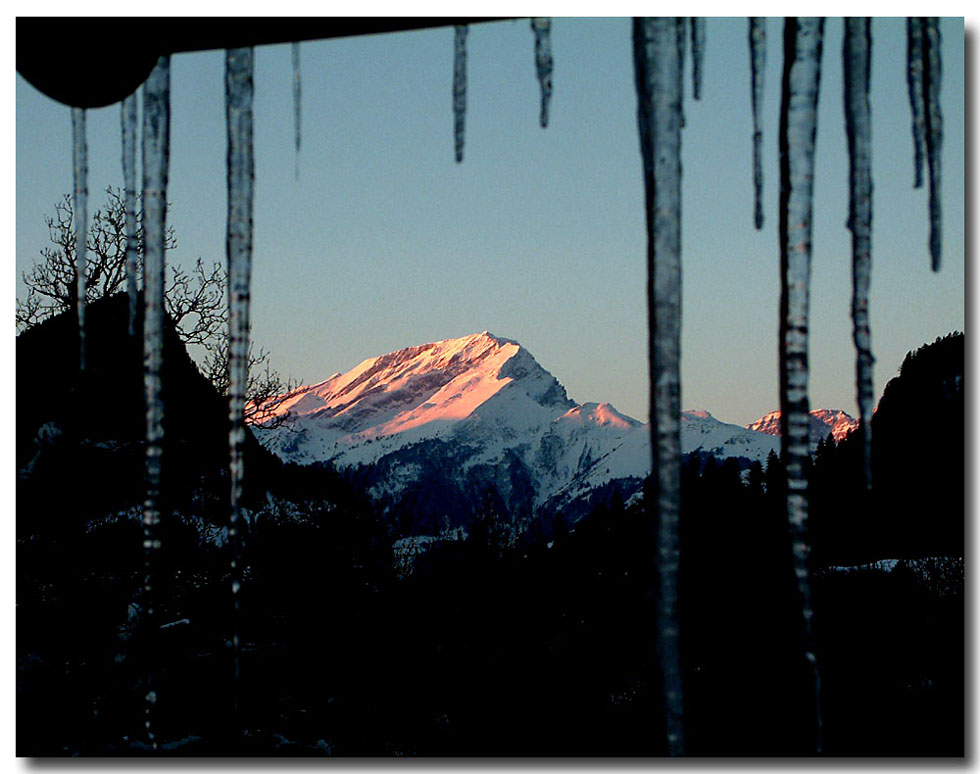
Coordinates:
x,y
196,299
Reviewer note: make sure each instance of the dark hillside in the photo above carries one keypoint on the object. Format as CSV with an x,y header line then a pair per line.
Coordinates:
x,y
83,433
354,642
916,507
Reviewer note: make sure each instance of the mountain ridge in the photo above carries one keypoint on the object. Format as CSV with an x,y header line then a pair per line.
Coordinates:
x,y
479,412
834,422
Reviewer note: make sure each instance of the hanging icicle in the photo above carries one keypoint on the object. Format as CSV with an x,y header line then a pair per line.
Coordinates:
x,y
658,62
924,73
857,114
80,210
914,74
757,60
931,82
128,122
156,161
239,65
543,62
459,88
681,29
297,94
802,48
697,53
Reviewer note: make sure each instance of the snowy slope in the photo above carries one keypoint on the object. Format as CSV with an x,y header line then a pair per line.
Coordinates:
x,y
485,388
703,433
471,406
822,422
700,432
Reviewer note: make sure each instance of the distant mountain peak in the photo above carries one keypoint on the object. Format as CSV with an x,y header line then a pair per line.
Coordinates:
x,y
600,414
481,412
699,413
417,392
822,421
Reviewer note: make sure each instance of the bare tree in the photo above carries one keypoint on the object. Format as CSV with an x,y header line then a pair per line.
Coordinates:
x,y
196,299
266,390
197,303
52,285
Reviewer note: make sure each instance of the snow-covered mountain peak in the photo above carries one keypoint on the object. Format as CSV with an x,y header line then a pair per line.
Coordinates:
x,y
698,414
767,423
412,394
480,412
822,421
839,422
599,414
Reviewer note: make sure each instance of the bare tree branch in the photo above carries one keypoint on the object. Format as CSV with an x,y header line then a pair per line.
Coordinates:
x,y
196,302
196,299
51,282
266,390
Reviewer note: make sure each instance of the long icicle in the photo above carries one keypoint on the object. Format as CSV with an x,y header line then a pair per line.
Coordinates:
x,y
459,88
297,99
802,49
757,60
543,62
80,212
128,125
239,66
681,30
697,53
659,87
857,114
931,42
156,161
914,73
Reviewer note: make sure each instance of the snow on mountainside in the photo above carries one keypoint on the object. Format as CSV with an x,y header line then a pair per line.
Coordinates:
x,y
479,409
479,383
700,432
822,422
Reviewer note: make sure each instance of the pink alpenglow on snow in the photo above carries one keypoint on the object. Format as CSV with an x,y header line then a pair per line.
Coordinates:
x,y
488,399
822,421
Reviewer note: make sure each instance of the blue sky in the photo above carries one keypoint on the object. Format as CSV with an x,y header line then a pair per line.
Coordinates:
x,y
385,242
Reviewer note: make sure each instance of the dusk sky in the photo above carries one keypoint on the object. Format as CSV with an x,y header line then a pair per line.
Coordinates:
x,y
539,236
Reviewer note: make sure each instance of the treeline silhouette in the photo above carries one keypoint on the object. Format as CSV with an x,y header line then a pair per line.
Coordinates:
x,y
502,642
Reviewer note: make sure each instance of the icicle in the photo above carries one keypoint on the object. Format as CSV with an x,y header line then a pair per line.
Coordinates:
x,y
659,86
241,177
80,210
857,113
128,121
915,66
459,87
931,82
296,102
757,58
156,161
924,73
681,29
697,53
543,62
802,48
